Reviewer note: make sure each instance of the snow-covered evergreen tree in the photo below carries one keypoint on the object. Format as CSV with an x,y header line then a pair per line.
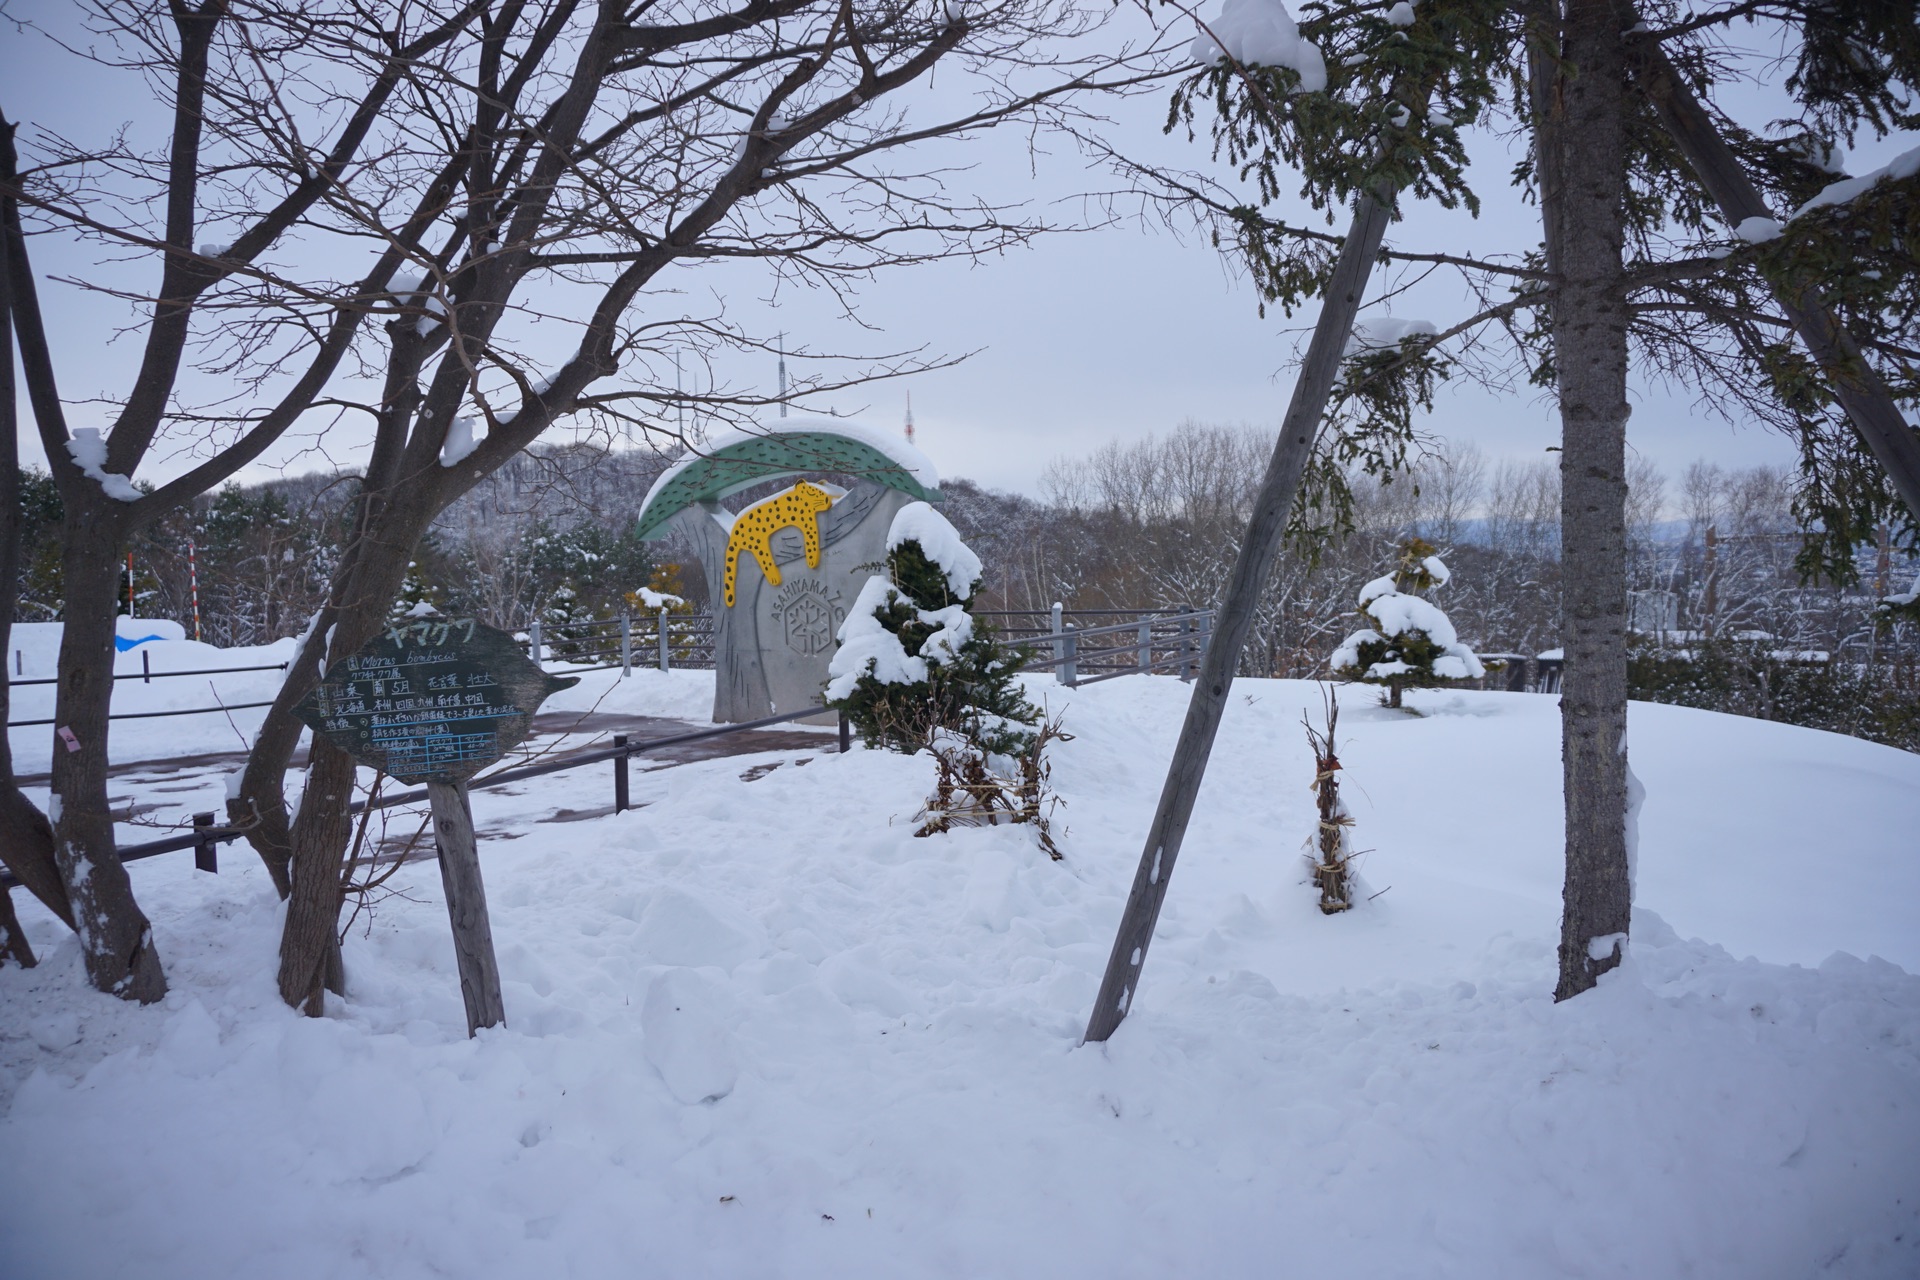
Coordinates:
x,y
1408,642
912,659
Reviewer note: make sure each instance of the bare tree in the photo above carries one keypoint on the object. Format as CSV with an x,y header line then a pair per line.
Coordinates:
x,y
479,167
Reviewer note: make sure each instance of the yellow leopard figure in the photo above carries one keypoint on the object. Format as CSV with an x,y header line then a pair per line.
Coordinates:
x,y
753,530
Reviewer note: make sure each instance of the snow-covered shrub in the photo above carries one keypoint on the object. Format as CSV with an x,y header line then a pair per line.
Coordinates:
x,y
1330,848
913,661
1408,642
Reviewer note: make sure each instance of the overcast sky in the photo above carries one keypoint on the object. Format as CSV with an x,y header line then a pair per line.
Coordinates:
x,y
1082,338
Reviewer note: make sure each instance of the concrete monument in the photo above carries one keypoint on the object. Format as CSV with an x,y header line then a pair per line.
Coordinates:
x,y
783,572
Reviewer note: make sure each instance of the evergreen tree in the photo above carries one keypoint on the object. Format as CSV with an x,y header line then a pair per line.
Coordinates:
x,y
914,660
1407,642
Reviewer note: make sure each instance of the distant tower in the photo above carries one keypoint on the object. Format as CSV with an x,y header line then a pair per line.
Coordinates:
x,y
909,417
782,348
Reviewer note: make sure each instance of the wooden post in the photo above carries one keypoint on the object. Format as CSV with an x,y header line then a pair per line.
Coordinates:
x,y
533,643
620,794
1250,571
1146,646
467,905
1059,643
664,660
1070,672
626,645
846,734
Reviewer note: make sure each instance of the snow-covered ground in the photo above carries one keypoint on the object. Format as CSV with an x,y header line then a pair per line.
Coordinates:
x,y
756,1028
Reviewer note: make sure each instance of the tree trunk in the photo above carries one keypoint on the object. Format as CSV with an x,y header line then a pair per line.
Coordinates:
x,y
115,937
26,838
13,941
317,841
310,939
1584,155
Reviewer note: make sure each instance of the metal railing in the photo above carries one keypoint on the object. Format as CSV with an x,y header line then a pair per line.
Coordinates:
x,y
1155,640
147,675
206,836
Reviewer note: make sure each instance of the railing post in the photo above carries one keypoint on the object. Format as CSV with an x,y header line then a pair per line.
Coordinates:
x,y
626,645
1070,671
1146,646
1186,643
146,668
1205,624
846,734
206,856
620,794
666,662
1059,642
533,643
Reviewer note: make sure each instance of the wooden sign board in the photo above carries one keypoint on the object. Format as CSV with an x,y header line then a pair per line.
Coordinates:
x,y
431,699
436,700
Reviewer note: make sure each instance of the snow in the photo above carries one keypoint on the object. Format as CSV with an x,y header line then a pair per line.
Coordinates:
x,y
897,451
658,600
1395,614
745,1014
435,308
1438,568
460,443
1758,230
1381,586
1909,596
1261,33
955,629
1388,332
89,452
1847,190
1401,14
940,541
869,649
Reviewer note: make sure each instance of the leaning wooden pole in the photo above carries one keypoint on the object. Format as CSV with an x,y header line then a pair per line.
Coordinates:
x,y
1861,391
1235,620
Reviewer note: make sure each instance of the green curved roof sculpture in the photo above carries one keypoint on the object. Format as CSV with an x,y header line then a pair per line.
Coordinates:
x,y
742,458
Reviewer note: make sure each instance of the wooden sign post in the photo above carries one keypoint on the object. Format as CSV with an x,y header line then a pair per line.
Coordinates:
x,y
436,700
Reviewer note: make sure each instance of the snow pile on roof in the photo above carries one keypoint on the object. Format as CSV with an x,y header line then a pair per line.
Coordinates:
x,y
1387,333
1261,33
939,542
89,452
1846,190
897,451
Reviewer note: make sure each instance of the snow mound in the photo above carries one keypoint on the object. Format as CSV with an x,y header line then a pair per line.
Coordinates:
x,y
1741,1098
688,1043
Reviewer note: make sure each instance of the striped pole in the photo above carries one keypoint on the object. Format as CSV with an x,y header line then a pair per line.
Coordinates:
x,y
193,586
